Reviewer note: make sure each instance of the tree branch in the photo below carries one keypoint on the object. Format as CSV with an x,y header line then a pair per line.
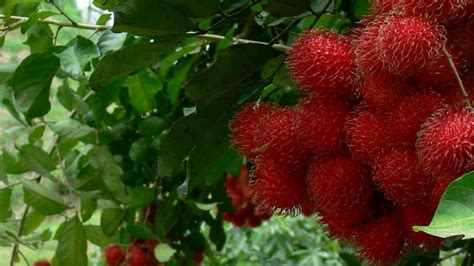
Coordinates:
x,y
53,2
458,78
211,37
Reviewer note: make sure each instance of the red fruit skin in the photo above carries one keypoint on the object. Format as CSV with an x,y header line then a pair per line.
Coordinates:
x,y
441,10
438,187
368,134
461,36
139,255
418,215
42,263
382,93
438,72
400,177
245,128
445,145
381,240
199,256
277,188
339,183
406,44
323,63
342,224
114,255
411,112
322,124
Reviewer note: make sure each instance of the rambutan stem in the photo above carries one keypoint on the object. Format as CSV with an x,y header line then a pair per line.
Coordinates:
x,y
458,78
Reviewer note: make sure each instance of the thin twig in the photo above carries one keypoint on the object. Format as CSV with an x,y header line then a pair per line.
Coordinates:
x,y
286,30
211,37
226,17
24,258
320,14
53,2
458,78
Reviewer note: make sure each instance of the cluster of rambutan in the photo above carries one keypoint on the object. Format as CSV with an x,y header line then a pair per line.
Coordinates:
x,y
244,212
383,130
140,253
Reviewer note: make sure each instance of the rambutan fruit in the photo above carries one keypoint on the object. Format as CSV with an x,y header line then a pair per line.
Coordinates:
x,y
406,44
445,145
342,223
418,215
322,63
411,112
339,183
137,257
399,176
381,240
368,134
114,255
322,124
276,188
246,126
440,10
438,187
43,263
381,93
461,36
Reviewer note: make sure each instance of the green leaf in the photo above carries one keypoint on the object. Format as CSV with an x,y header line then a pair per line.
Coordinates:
x,y
163,252
128,60
14,165
196,8
139,149
455,213
97,237
140,231
142,89
110,220
40,38
287,8
150,18
71,129
140,197
5,197
38,160
152,126
105,4
31,84
79,52
72,244
33,220
110,41
230,69
45,201
88,206
3,172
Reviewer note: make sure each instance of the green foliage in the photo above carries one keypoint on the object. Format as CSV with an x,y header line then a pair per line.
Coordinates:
x,y
122,134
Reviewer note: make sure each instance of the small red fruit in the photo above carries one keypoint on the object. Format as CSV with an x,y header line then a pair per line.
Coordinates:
x,y
137,256
406,44
368,134
322,123
418,215
338,184
462,37
400,177
381,240
446,143
42,263
322,63
381,93
114,255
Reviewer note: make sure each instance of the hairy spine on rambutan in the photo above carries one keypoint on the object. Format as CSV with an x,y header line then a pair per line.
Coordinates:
x,y
322,124
411,112
368,134
276,187
445,145
322,63
399,176
339,183
382,93
461,36
418,215
406,44
381,240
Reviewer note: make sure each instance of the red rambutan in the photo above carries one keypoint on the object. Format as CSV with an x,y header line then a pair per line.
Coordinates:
x,y
406,44
446,143
114,255
322,123
323,63
382,93
418,215
461,36
411,112
381,240
276,188
368,134
42,263
339,183
399,176
140,256
438,187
